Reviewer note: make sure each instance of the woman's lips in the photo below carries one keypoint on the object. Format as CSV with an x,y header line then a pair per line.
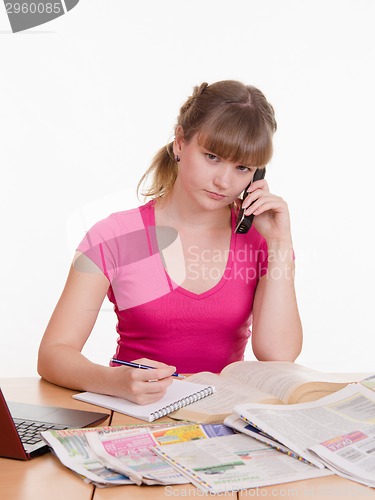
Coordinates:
x,y
215,196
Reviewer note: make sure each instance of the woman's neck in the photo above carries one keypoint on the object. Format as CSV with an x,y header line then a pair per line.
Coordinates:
x,y
177,212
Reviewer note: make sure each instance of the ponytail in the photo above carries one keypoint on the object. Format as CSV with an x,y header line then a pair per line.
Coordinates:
x,y
163,170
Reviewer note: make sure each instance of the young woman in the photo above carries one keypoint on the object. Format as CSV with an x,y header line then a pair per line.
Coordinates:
x,y
186,287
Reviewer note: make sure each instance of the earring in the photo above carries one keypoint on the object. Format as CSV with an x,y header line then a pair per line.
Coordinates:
x,y
176,158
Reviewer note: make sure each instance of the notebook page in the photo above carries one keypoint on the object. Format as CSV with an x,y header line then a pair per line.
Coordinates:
x,y
179,394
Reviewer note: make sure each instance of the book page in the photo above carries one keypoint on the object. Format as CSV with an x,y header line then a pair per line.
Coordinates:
x,y
228,393
279,378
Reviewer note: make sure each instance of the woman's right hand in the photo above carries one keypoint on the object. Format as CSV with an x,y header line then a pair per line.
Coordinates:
x,y
141,386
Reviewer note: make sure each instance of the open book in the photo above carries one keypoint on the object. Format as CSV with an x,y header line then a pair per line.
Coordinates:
x,y
179,394
275,382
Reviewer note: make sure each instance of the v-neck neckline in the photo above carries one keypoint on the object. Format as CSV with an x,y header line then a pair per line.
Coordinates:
x,y
227,271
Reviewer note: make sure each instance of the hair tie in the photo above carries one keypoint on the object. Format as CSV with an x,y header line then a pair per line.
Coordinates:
x,y
199,90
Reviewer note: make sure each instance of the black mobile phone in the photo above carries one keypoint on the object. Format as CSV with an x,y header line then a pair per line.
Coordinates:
x,y
243,223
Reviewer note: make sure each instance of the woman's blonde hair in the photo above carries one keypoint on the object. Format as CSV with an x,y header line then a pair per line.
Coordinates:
x,y
233,121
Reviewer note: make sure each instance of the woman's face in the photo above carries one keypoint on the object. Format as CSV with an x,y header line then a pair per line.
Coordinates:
x,y
207,179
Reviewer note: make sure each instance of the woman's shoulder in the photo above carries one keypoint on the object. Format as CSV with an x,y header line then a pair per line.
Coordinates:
x,y
118,224
130,218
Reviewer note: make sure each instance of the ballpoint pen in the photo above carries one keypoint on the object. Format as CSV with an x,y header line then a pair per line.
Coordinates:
x,y
142,367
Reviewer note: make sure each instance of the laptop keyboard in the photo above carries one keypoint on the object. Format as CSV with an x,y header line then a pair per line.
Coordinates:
x,y
29,431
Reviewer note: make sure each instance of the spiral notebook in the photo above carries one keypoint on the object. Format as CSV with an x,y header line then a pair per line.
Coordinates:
x,y
180,393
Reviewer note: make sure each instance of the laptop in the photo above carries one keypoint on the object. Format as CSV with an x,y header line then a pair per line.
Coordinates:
x,y
21,424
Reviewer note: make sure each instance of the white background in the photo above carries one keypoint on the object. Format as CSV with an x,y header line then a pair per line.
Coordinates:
x,y
87,99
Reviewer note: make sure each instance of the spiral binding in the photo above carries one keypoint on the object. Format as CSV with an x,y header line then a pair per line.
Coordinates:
x,y
181,403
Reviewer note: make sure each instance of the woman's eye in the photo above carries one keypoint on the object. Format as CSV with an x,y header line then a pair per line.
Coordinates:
x,y
242,168
212,157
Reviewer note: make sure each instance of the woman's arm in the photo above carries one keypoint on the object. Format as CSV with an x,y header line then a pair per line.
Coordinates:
x,y
277,329
60,360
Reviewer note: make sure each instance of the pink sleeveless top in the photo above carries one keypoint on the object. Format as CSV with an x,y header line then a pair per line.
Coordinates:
x,y
157,318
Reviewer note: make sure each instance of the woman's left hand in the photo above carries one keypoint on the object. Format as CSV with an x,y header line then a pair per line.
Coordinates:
x,y
271,212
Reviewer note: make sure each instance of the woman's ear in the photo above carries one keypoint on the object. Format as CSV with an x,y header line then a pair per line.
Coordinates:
x,y
178,140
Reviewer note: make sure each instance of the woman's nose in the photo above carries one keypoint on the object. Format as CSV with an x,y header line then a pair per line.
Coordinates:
x,y
222,178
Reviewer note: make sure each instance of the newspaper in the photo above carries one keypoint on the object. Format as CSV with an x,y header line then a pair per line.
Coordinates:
x,y
232,463
241,426
301,426
129,453
108,456
350,455
369,382
73,451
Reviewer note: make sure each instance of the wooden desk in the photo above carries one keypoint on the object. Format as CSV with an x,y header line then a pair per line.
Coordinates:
x,y
38,391
322,488
44,478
